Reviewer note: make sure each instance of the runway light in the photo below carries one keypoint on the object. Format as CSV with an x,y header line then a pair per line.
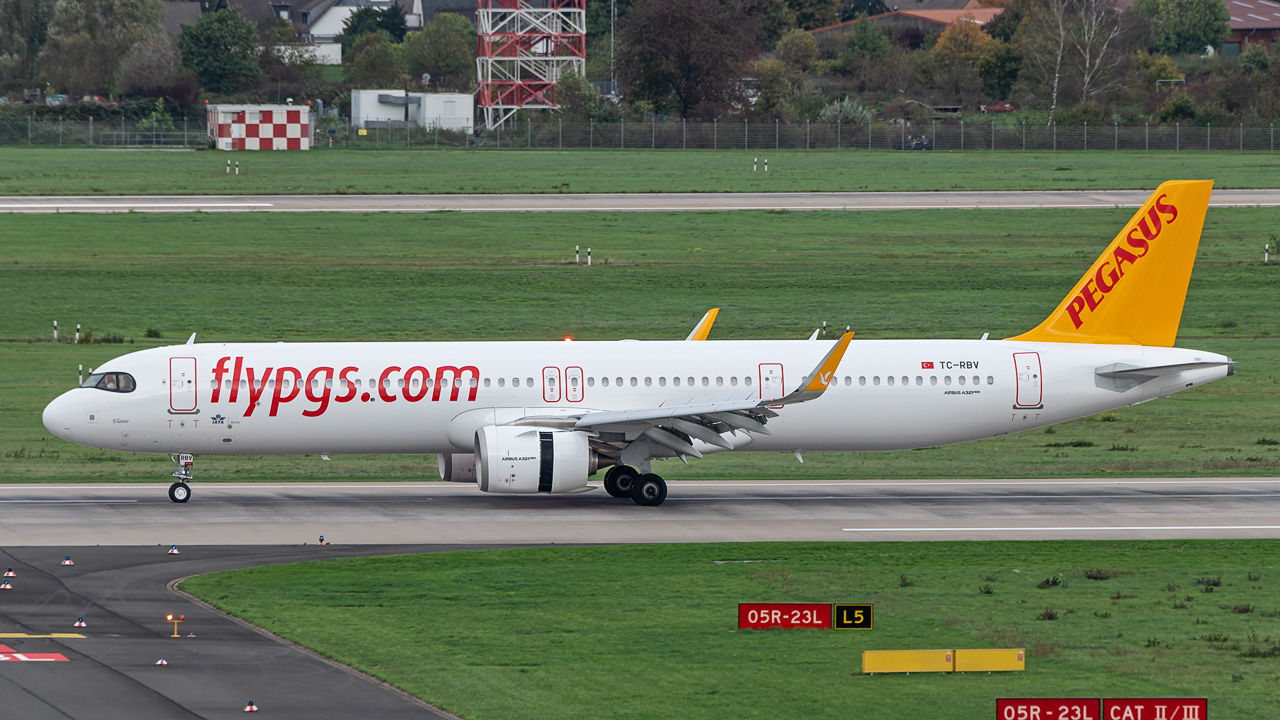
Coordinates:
x,y
175,621
568,338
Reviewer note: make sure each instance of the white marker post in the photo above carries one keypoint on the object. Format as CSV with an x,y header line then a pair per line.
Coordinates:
x,y
754,162
80,375
1266,257
588,257
575,255
237,167
55,331
77,333
766,164
228,167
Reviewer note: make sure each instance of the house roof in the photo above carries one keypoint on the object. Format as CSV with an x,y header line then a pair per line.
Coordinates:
x,y
176,14
1253,14
939,17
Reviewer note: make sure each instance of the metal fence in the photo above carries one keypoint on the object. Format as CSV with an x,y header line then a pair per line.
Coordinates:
x,y
683,135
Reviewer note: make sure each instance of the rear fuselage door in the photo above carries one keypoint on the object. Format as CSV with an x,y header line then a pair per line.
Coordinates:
x,y
182,384
1030,386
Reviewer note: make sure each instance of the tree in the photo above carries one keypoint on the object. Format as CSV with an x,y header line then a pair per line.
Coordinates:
x,y
1183,26
374,62
222,49
845,112
150,64
367,20
866,39
963,42
1255,59
798,49
999,66
1044,40
24,28
850,9
580,101
686,55
813,14
1005,25
88,39
445,48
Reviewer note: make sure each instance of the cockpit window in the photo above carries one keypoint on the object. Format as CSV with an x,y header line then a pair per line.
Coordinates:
x,y
113,381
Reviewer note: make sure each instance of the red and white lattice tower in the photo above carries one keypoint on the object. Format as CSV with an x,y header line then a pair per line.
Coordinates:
x,y
525,46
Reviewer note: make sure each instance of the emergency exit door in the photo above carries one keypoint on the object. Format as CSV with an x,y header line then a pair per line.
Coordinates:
x,y
1030,392
182,384
772,386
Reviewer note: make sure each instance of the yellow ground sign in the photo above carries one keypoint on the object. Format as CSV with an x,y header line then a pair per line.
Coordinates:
x,y
908,661
991,660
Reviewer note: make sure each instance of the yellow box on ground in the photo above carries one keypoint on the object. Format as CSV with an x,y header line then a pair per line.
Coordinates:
x,y
908,661
991,660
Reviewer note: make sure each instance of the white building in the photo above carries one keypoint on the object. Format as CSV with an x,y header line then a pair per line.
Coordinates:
x,y
386,108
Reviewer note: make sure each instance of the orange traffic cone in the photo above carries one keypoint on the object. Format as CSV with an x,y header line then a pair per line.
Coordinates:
x,y
81,623
68,561
251,707
5,585
173,550
10,573
162,661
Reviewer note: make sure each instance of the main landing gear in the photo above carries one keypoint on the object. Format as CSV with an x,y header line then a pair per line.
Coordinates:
x,y
180,491
644,488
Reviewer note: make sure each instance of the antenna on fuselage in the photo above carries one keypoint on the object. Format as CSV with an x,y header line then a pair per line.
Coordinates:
x,y
191,340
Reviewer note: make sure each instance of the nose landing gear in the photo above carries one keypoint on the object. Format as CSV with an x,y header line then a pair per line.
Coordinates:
x,y
180,492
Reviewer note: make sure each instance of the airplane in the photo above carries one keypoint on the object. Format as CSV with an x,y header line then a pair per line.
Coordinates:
x,y
543,417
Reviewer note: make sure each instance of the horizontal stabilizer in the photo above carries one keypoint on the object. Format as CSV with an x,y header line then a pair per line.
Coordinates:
x,y
1127,372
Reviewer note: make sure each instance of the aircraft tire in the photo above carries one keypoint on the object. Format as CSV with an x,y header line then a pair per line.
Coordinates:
x,y
179,492
619,479
649,490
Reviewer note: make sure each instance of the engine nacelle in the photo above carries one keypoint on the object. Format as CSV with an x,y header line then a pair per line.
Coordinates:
x,y
457,467
518,459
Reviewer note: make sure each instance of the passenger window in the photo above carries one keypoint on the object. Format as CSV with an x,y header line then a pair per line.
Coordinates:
x,y
946,380
648,382
515,382
502,382
213,384
960,379
862,379
529,381
719,382
919,380
991,380
591,381
604,381
662,382
634,382
977,380
573,381
675,381
748,379
618,382
733,381
400,382
906,380
933,379
706,381
875,380
691,382
889,380
486,382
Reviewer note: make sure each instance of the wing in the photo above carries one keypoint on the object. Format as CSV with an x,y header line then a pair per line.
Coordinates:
x,y
707,418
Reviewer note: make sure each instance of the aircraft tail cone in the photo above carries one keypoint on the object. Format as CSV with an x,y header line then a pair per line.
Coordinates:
x,y
10,573
81,623
251,707
68,561
173,549
162,661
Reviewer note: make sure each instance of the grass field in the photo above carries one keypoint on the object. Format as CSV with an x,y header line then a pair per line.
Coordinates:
x,y
99,172
650,631
447,276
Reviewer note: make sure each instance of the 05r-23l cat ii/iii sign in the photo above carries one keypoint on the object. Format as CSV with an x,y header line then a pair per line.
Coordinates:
x,y
543,417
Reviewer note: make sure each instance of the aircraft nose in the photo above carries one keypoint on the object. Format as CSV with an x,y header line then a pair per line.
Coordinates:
x,y
58,416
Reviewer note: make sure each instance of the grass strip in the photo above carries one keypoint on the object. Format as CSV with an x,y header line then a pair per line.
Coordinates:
x,y
67,171
650,631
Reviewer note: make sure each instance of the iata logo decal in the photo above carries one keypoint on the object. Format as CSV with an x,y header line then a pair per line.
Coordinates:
x,y
1111,271
218,420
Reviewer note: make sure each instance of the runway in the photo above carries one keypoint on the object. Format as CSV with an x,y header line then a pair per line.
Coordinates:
x,y
449,513
653,202
118,536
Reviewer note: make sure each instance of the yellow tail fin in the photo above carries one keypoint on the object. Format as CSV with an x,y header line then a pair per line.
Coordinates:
x,y
1134,292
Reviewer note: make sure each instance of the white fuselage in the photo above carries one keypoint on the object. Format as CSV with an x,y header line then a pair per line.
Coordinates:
x,y
304,398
